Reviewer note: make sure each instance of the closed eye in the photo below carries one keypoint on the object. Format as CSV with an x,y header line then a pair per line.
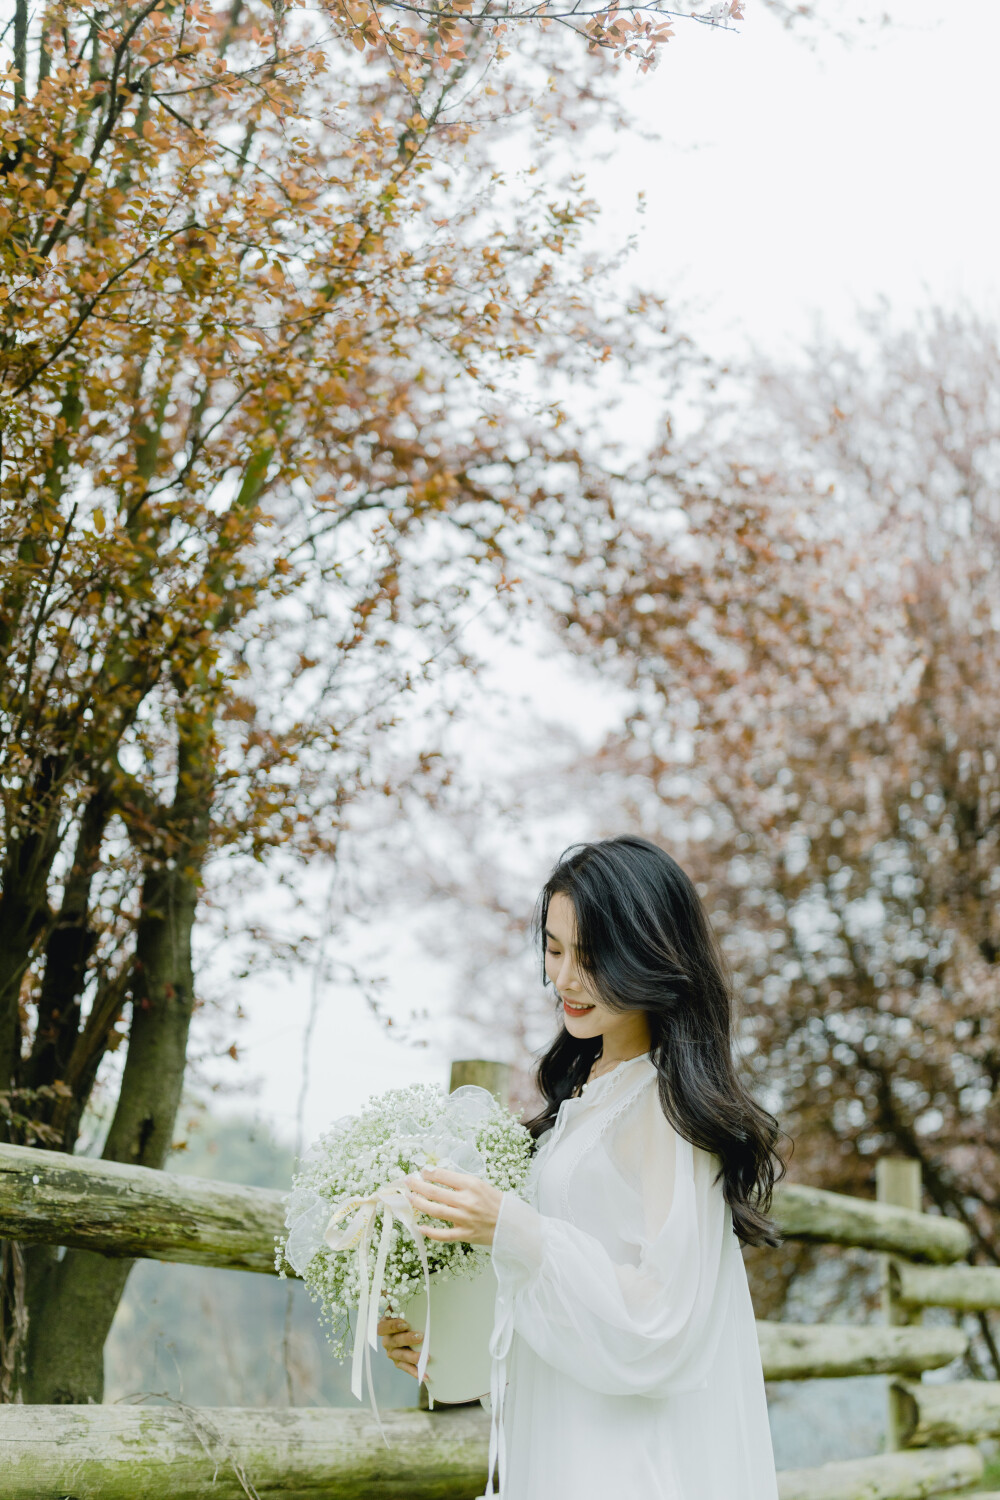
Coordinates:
x,y
550,939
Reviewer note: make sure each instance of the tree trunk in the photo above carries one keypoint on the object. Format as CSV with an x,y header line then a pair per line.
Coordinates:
x,y
24,914
70,944
24,911
72,1311
72,1305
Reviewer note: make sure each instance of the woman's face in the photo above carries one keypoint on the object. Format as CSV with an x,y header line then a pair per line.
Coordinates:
x,y
584,1013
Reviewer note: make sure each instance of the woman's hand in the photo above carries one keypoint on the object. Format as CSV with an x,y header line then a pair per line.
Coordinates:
x,y
401,1343
466,1202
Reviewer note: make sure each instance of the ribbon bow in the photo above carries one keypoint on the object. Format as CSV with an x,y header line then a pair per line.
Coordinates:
x,y
359,1232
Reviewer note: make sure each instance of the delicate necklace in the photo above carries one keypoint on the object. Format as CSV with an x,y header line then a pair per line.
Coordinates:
x,y
594,1073
599,1073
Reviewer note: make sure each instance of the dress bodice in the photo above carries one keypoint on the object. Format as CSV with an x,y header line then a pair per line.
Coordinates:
x,y
578,1174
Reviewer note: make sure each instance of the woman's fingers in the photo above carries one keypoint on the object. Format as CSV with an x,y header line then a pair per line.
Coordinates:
x,y
402,1348
454,1214
404,1355
431,1191
391,1325
438,1208
441,1185
401,1343
408,1366
402,1340
459,1199
447,1176
407,1339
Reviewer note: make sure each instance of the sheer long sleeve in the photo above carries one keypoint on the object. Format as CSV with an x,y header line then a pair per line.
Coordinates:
x,y
644,1319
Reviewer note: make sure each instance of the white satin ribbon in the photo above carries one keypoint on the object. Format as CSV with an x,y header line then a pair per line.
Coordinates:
x,y
500,1341
359,1232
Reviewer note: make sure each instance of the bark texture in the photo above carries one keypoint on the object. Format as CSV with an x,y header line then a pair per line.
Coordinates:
x,y
119,1452
808,1213
124,1211
74,1302
814,1351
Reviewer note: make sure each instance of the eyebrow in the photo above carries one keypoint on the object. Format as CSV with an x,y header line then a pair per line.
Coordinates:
x,y
553,939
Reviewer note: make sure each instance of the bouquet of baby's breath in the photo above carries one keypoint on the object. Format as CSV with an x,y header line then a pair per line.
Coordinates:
x,y
354,1170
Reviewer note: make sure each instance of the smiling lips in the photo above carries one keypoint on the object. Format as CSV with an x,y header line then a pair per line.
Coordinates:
x,y
572,1009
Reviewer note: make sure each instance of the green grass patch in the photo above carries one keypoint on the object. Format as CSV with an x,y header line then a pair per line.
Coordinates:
x,y
990,1479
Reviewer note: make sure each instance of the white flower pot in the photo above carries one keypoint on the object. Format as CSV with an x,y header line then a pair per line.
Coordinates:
x,y
458,1367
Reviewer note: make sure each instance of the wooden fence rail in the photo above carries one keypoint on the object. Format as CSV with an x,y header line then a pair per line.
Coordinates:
x,y
959,1411
165,1453
134,1211
816,1351
50,1198
890,1476
808,1213
964,1288
170,1453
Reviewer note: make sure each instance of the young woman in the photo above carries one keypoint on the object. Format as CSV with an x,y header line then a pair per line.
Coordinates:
x,y
623,1321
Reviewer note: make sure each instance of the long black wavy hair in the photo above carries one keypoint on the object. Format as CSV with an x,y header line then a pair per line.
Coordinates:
x,y
645,943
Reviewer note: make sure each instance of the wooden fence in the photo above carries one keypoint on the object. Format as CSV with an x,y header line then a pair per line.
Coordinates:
x,y
167,1453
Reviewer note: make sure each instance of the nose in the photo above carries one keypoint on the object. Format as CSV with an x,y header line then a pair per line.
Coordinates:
x,y
565,974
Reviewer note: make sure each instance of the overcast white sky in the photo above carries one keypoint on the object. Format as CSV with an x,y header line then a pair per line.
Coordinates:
x,y
792,180
787,182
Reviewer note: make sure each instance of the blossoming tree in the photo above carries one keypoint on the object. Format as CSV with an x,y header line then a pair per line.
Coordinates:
x,y
806,614
263,295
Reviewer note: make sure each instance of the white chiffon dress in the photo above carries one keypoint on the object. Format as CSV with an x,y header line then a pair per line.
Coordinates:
x,y
625,1356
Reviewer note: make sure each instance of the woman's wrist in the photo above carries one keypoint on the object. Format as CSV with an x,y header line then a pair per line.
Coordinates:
x,y
517,1240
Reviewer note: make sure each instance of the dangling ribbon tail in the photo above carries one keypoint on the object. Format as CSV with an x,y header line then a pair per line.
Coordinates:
x,y
500,1341
359,1232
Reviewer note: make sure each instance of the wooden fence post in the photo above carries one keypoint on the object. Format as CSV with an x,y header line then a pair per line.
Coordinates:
x,y
897,1181
494,1076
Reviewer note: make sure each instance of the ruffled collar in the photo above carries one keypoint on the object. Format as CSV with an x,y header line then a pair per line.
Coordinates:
x,y
622,1076
613,1078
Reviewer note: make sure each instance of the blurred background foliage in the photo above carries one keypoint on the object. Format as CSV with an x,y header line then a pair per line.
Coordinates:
x,y
229,1338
